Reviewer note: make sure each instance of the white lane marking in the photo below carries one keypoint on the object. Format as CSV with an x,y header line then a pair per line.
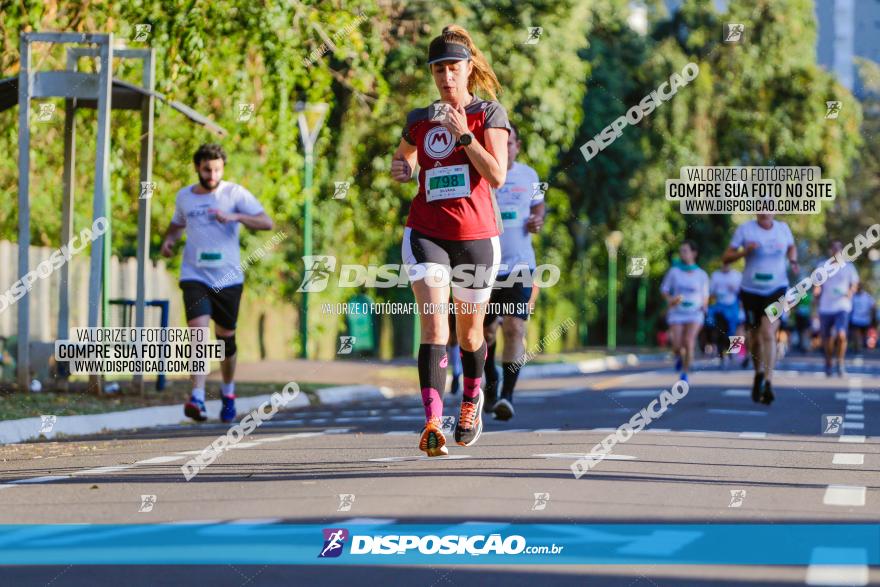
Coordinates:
x,y
855,408
635,393
343,420
856,396
44,479
336,430
103,470
270,439
405,433
244,445
543,430
737,412
753,435
844,495
191,452
819,572
657,430
403,418
848,458
855,438
419,458
319,421
160,460
573,455
853,425
854,417
736,393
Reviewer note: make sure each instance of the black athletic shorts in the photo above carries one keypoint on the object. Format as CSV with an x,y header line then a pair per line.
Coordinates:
x,y
755,304
222,305
512,300
422,254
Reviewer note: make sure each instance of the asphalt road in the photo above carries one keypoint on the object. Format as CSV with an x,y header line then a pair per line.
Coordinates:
x,y
713,457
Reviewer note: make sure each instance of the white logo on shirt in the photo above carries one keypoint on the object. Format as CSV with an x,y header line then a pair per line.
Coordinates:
x,y
439,143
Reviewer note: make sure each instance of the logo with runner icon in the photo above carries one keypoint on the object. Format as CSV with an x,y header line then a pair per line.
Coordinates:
x,y
346,345
334,541
737,497
319,268
831,423
637,266
736,344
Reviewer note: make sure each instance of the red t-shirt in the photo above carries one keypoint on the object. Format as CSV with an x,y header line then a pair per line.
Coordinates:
x,y
457,218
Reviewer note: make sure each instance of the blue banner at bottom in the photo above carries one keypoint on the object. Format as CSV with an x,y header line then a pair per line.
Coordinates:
x,y
433,544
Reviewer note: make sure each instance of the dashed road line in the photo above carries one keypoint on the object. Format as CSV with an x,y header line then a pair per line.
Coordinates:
x,y
844,495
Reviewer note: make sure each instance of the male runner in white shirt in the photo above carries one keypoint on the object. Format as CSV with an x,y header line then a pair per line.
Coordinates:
x,y
210,275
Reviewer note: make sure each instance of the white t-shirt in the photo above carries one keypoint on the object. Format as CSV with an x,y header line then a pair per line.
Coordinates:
x,y
834,295
862,303
692,285
725,286
211,254
765,270
515,203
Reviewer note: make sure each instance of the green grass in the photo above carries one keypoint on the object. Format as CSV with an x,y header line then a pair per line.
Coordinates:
x,y
79,401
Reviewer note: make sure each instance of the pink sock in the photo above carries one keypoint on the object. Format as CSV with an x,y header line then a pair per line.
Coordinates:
x,y
471,386
432,402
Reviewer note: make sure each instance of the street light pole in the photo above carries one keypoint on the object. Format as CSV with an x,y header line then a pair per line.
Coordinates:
x,y
612,243
310,118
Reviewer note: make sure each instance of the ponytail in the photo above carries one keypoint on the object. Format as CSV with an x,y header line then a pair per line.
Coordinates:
x,y
482,76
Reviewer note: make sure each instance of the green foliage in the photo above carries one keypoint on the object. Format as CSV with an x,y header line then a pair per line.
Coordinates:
x,y
761,102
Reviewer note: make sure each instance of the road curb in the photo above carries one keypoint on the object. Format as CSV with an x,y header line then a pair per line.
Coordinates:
x,y
14,431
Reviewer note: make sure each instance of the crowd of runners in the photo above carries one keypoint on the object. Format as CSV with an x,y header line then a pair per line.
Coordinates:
x,y
476,207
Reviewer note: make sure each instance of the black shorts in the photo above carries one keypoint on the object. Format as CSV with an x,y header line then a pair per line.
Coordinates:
x,y
421,253
222,305
756,304
512,300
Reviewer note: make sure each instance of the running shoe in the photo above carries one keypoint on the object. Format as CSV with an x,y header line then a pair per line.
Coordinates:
x,y
828,370
195,409
756,387
432,442
227,412
678,364
841,370
767,393
683,377
470,420
503,409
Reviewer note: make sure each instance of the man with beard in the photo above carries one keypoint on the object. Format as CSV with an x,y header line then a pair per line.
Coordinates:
x,y
210,275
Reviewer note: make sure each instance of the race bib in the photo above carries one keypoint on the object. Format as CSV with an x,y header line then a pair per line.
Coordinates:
x,y
763,277
509,217
444,183
209,258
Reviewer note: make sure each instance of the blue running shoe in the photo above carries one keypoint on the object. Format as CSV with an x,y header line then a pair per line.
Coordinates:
x,y
678,363
227,412
684,377
195,409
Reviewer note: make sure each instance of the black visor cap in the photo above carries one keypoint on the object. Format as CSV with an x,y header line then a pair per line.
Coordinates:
x,y
443,50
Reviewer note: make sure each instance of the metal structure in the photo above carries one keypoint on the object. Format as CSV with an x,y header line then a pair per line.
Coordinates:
x,y
84,90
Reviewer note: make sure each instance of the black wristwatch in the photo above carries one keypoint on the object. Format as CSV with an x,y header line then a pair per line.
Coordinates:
x,y
465,139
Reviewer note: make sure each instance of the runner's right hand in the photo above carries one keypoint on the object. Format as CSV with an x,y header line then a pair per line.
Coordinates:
x,y
400,170
751,246
167,249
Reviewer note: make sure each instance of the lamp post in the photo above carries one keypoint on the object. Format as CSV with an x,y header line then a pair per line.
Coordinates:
x,y
612,243
310,118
